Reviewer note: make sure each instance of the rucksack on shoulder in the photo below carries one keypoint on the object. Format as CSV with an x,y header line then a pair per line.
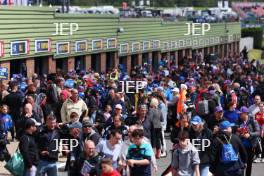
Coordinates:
x,y
228,153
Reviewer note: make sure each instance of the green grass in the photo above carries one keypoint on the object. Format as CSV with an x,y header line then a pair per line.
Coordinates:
x,y
255,54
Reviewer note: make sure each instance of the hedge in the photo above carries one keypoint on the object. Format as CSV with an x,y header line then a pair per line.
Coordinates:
x,y
256,33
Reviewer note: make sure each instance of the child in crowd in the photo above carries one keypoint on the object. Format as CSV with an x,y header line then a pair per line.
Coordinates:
x,y
139,155
107,168
185,159
7,121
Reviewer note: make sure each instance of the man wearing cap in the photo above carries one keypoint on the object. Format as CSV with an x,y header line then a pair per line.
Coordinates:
x,y
216,119
225,135
73,103
74,155
88,132
201,137
248,132
28,148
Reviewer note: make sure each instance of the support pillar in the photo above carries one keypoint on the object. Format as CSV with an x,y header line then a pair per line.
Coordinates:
x,y
6,64
223,51
128,63
189,53
30,63
232,49
139,59
149,55
213,49
51,65
183,53
176,58
168,59
238,46
103,62
159,57
88,62
70,63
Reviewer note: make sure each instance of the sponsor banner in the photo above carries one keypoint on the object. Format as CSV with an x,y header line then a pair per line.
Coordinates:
x,y
81,46
63,48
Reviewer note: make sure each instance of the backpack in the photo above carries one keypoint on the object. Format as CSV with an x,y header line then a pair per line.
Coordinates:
x,y
228,153
203,108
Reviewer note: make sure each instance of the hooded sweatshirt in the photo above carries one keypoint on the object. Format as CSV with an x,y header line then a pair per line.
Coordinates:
x,y
183,160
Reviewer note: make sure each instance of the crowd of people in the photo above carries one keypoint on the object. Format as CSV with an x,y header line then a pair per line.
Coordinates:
x,y
214,114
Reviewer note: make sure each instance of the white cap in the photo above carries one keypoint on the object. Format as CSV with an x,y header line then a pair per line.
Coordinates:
x,y
183,86
176,90
36,123
118,106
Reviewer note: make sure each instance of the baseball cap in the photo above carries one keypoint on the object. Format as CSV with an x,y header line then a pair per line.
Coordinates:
x,y
196,120
160,88
118,106
31,122
176,90
218,109
87,123
244,109
225,124
75,125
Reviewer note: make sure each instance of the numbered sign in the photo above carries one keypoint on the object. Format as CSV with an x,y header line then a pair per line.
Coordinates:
x,y
19,48
81,46
124,48
135,47
111,43
42,46
97,45
155,44
63,48
146,45
165,46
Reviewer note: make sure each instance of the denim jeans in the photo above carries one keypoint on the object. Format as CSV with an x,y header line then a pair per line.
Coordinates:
x,y
204,169
47,167
31,172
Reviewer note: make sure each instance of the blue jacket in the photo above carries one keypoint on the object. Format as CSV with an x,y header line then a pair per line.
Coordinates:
x,y
7,121
232,116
